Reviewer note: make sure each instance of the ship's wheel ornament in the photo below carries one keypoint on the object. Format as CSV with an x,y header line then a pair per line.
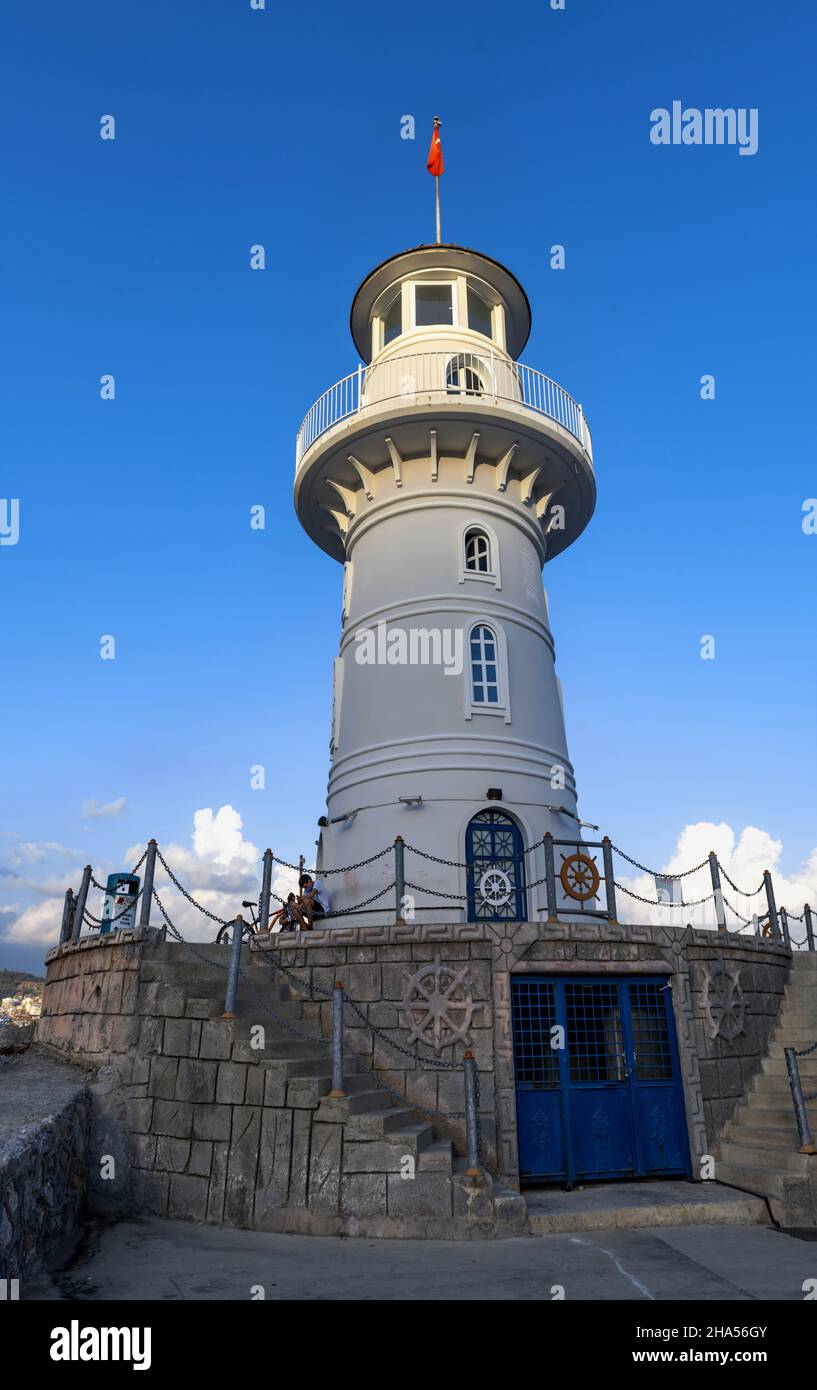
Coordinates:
x,y
579,876
724,1002
495,887
438,1004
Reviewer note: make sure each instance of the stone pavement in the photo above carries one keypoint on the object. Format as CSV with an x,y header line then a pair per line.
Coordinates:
x,y
151,1258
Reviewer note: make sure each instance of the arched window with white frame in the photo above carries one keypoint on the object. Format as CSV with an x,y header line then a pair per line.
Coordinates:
x,y
478,553
486,670
484,666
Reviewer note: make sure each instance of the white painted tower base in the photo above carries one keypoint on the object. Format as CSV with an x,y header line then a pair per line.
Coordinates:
x,y
443,476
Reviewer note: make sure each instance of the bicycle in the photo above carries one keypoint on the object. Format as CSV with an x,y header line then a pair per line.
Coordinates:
x,y
225,933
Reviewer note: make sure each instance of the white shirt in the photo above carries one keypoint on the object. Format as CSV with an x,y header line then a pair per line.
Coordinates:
x,y
320,894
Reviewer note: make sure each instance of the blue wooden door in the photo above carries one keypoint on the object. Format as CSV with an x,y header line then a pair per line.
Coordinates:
x,y
495,859
597,1079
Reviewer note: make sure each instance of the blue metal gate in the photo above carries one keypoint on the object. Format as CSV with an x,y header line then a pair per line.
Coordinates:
x,y
495,858
598,1090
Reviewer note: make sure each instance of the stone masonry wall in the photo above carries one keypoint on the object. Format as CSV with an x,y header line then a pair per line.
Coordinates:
x,y
381,976
737,996
209,1131
376,965
44,1129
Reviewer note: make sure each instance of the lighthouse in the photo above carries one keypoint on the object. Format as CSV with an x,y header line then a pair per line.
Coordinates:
x,y
442,473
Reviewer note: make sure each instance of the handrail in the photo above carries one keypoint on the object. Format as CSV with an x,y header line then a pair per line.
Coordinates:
x,y
455,375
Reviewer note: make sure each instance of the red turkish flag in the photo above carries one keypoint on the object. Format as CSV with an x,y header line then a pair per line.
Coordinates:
x,y
434,163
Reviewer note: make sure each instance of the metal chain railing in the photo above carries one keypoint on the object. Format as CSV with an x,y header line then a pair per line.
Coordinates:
x,y
312,988
109,921
323,873
660,902
222,921
653,872
742,891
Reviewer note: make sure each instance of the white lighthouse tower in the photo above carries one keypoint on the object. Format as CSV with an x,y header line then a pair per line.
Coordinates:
x,y
443,474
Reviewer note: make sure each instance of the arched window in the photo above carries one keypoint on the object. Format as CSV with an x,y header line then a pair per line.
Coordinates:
x,y
495,856
477,551
478,554
485,671
462,375
485,688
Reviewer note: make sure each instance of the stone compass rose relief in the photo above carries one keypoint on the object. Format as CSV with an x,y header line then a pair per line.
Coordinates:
x,y
438,1004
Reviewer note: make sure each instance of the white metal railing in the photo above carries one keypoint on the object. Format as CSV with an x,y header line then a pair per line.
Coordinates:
x,y
448,376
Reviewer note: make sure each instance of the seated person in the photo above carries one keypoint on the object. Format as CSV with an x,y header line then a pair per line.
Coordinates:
x,y
284,916
313,902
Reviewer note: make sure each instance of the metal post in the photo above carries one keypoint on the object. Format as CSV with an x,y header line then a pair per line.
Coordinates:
x,y
809,927
65,929
609,881
232,973
773,923
471,1122
79,908
266,883
147,887
784,922
801,1114
399,877
337,1092
359,386
720,911
550,876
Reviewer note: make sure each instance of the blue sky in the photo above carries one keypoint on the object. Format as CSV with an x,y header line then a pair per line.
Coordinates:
x,y
282,127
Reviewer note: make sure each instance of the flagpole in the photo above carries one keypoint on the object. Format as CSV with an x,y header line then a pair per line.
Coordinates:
x,y
437,182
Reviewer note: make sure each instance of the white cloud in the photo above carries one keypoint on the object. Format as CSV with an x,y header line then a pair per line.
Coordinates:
x,y
743,858
219,868
94,811
36,925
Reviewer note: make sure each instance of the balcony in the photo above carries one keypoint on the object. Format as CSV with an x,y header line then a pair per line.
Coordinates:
x,y
444,379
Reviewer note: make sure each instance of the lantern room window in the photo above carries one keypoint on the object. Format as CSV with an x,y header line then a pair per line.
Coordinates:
x,y
479,313
393,320
433,304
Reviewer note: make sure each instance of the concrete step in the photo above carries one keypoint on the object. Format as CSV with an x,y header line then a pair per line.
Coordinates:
x,y
438,1157
780,1136
359,1104
772,1084
610,1206
782,1040
196,977
764,1155
772,1116
776,1066
799,1019
380,1124
762,1179
412,1138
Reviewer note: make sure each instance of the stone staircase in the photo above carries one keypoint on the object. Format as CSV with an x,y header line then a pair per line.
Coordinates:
x,y
356,1180
759,1148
